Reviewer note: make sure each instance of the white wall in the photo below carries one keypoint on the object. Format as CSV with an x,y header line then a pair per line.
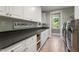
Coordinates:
x,y
76,12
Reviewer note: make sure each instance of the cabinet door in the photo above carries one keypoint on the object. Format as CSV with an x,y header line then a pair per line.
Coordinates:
x,y
16,11
38,14
47,33
44,36
28,13
76,12
32,13
3,10
34,43
31,44
20,48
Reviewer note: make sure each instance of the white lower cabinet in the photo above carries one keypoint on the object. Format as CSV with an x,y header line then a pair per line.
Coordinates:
x,y
44,36
19,47
27,45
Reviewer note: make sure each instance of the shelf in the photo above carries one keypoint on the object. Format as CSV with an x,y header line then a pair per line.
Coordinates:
x,y
38,41
38,45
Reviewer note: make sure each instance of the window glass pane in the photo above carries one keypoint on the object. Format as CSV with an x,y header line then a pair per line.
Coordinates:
x,y
56,22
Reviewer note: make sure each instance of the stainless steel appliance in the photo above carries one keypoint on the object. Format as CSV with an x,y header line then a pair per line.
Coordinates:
x,y
67,34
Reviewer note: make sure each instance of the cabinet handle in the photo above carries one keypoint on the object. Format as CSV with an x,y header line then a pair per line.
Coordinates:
x,y
30,19
25,49
7,13
12,50
10,14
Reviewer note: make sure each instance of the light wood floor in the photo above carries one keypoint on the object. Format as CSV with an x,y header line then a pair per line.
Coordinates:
x,y
53,44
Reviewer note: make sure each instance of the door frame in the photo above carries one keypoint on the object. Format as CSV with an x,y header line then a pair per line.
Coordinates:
x,y
54,12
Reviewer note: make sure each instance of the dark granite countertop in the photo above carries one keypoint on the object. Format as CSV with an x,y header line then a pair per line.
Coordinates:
x,y
11,37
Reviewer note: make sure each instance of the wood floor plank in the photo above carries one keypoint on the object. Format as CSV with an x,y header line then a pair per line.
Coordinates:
x,y
53,44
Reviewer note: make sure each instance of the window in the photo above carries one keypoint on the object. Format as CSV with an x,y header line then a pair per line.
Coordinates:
x,y
56,21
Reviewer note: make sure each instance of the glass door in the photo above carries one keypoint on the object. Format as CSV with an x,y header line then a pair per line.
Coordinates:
x,y
55,23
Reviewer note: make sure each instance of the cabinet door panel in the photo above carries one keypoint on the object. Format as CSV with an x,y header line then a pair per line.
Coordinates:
x,y
2,8
31,44
44,36
38,14
16,11
28,13
32,13
20,47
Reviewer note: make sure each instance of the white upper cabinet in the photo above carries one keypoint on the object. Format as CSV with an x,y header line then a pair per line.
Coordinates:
x,y
16,11
32,13
38,14
12,11
3,10
76,9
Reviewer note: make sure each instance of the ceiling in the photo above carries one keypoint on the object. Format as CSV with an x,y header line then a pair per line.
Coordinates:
x,y
51,8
